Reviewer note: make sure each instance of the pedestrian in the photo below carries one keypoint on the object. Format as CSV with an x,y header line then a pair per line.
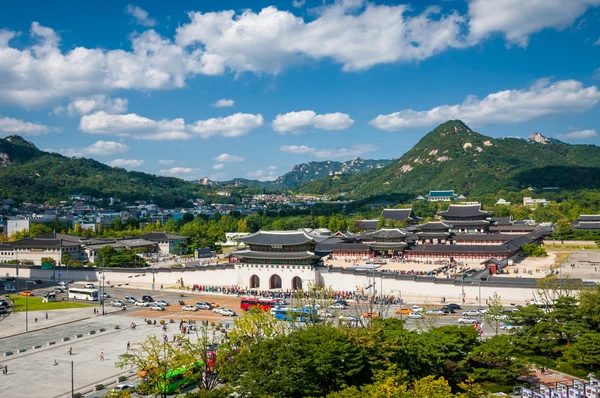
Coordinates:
x,y
46,315
5,370
70,350
35,320
102,356
128,345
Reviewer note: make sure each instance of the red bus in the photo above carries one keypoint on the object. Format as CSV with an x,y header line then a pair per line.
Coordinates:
x,y
265,304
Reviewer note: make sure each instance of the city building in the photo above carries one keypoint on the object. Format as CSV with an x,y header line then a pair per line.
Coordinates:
x,y
167,242
440,196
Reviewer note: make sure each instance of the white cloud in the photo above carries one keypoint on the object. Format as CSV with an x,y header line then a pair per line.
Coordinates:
x,y
597,42
356,34
518,19
126,163
182,172
223,103
218,166
99,148
9,125
543,98
227,158
294,121
235,125
268,174
298,3
166,161
133,125
579,135
41,74
87,105
140,15
329,153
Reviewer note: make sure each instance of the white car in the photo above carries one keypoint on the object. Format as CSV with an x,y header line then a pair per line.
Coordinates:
x,y
218,310
325,314
415,315
130,299
435,312
142,304
467,320
189,308
337,306
350,318
118,303
482,311
124,387
89,286
106,295
156,307
472,313
227,312
162,302
416,308
506,326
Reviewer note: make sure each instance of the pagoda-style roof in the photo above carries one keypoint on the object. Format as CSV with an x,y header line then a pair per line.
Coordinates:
x,y
387,233
483,237
281,238
387,245
162,236
366,224
250,254
476,223
433,226
340,244
440,194
399,215
433,235
42,243
589,217
470,211
587,225
502,220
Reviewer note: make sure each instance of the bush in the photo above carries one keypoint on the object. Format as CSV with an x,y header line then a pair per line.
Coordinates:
x,y
570,370
77,395
162,322
534,250
171,320
543,361
117,327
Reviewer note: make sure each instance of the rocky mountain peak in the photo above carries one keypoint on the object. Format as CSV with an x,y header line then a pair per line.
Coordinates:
x,y
539,138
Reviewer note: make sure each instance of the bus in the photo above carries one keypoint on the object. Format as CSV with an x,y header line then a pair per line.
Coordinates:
x,y
296,314
178,379
83,294
265,304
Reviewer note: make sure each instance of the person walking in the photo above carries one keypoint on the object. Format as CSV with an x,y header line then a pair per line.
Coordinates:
x,y
70,351
128,345
46,315
5,370
35,320
102,356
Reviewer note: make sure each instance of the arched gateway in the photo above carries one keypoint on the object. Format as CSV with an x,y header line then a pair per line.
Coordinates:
x,y
275,282
296,283
254,282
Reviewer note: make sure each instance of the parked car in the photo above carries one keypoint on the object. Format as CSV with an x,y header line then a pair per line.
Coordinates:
x,y
58,289
227,312
482,311
217,310
467,320
435,311
416,308
106,295
204,306
454,306
371,315
450,309
471,313
156,307
26,293
38,281
142,303
415,315
147,299
162,302
62,284
325,314
403,311
342,302
347,317
130,299
189,308
9,289
123,387
118,303
89,286
506,326
337,306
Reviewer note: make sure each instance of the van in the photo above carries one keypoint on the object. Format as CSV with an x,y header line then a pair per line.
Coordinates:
x,y
147,299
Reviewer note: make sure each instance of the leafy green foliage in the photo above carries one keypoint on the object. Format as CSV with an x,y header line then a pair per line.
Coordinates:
x,y
534,250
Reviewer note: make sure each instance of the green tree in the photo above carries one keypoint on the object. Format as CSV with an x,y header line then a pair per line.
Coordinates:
x,y
116,225
585,352
37,229
563,229
496,360
495,313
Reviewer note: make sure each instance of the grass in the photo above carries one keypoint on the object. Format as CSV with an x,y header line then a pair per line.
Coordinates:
x,y
36,304
560,258
571,247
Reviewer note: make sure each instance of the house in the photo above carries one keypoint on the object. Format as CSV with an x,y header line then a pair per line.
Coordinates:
x,y
503,202
400,215
166,242
528,201
440,196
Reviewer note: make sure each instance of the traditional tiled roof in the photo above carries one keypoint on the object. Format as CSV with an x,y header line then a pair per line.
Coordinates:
x,y
502,220
367,224
387,245
433,235
274,255
483,237
464,211
65,237
340,244
399,214
386,233
42,243
587,225
513,228
475,223
589,217
284,238
440,194
162,236
434,225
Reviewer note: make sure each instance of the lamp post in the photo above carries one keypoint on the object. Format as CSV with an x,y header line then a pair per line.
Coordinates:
x,y
479,285
58,361
26,306
400,292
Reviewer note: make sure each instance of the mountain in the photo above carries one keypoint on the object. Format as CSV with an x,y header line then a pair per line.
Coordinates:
x,y
453,156
29,174
306,172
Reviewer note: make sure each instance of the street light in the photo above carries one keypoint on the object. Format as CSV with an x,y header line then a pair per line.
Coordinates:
x,y
58,361
479,284
26,306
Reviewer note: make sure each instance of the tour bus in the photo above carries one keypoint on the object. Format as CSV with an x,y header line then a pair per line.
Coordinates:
x,y
83,294
265,304
179,378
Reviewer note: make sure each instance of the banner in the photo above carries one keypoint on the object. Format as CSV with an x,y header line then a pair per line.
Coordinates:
x,y
591,391
555,394
562,389
574,392
579,385
545,391
526,393
594,382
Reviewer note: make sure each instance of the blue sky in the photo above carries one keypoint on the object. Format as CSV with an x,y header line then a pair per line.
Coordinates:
x,y
248,89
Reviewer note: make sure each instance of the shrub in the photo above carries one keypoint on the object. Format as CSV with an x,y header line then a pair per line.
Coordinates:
x,y
171,320
117,327
162,322
77,395
570,370
534,250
